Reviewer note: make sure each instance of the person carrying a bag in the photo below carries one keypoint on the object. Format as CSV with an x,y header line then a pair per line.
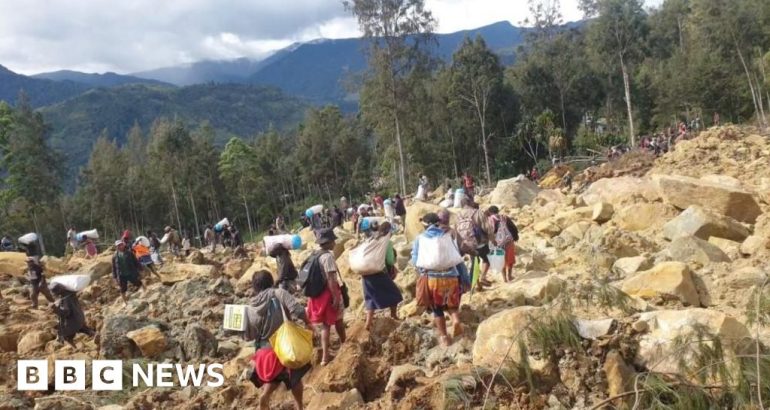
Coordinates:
x,y
505,236
264,317
380,292
437,258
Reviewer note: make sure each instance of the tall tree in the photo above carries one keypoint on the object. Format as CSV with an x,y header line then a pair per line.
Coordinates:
x,y
618,34
397,31
477,79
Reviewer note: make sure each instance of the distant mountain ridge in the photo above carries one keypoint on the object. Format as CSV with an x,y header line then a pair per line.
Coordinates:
x,y
39,91
97,80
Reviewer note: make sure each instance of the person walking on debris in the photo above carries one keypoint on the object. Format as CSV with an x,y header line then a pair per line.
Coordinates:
x,y
567,180
173,239
186,245
125,269
127,239
327,308
280,226
400,208
263,318
505,236
6,244
380,292
469,185
235,237
210,237
472,228
144,256
155,247
287,272
443,275
37,281
71,318
72,240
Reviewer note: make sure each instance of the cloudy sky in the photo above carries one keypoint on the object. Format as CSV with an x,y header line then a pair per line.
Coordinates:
x,y
133,35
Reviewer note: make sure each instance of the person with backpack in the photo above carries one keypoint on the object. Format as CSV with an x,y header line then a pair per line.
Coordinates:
x,y
125,269
287,273
320,282
263,318
37,281
380,292
506,234
71,318
472,228
436,255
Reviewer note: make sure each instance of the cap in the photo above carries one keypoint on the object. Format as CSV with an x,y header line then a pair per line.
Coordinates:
x,y
325,236
118,243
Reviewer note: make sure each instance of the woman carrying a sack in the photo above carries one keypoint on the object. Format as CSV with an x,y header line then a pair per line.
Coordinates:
x,y
442,271
263,319
380,292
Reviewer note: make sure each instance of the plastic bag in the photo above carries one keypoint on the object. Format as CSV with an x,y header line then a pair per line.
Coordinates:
x,y
143,241
292,343
497,259
369,257
28,238
438,254
74,283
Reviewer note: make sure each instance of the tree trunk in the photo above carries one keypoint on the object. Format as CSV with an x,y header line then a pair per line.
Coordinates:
x,y
195,213
248,216
563,114
627,86
454,152
176,206
37,231
760,119
401,160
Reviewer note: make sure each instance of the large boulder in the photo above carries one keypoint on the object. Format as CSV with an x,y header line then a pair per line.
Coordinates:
x,y
603,212
754,244
625,267
691,249
514,192
501,332
666,279
176,272
33,341
567,218
235,268
683,192
97,268
113,335
336,401
703,223
150,340
197,342
13,263
343,237
8,339
620,190
643,216
658,349
414,214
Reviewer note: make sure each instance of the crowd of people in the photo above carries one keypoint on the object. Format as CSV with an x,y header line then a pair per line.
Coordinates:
x,y
315,292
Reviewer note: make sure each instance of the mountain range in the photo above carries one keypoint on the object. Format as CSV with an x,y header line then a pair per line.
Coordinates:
x,y
240,96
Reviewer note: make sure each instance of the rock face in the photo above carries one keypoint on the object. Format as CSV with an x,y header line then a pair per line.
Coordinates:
x,y
495,335
602,212
33,341
414,214
625,267
683,192
114,342
703,224
642,216
754,244
692,249
337,401
514,192
620,376
620,190
13,263
657,350
198,342
171,274
150,340
670,278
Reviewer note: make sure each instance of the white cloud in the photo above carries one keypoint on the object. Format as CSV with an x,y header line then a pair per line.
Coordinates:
x,y
134,35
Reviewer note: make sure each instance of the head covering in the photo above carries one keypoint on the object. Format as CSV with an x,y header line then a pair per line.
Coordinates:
x,y
430,219
126,234
325,236
118,243
493,210
167,229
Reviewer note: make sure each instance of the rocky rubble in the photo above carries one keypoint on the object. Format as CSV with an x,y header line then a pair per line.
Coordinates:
x,y
610,280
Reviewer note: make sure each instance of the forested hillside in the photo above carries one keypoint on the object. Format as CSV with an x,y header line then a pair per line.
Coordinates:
x,y
40,91
230,109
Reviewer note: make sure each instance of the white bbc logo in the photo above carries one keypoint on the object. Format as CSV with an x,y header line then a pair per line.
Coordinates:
x,y
70,375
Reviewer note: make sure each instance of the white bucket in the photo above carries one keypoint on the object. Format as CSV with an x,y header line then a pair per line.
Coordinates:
x,y
496,259
459,195
28,238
